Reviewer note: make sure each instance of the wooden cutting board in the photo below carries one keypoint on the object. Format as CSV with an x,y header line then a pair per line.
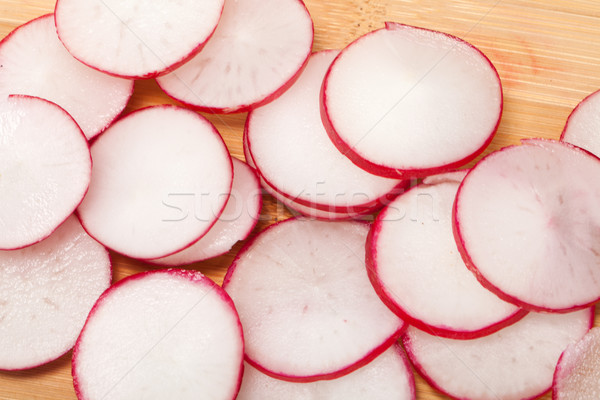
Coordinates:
x,y
547,54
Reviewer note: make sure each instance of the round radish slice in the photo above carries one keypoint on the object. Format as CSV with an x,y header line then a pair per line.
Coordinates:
x,y
135,39
527,224
514,363
583,126
409,101
160,180
387,377
577,374
34,62
305,301
170,334
45,167
257,50
411,242
235,223
46,292
292,151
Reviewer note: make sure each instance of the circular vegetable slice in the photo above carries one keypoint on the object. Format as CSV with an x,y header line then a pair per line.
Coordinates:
x,y
583,125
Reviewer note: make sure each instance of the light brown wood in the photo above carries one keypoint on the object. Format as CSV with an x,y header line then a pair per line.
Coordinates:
x,y
547,54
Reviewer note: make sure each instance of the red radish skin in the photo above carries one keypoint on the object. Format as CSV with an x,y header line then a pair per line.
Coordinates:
x,y
367,141
45,165
583,125
308,262
161,179
192,341
135,39
255,54
509,192
46,292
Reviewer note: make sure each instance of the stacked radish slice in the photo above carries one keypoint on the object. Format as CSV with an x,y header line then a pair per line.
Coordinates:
x,y
583,125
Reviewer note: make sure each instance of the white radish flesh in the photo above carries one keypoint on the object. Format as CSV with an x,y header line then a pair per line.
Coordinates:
x,y
159,335
161,178
583,125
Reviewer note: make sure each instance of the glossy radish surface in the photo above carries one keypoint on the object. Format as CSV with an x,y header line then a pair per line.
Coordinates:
x,y
577,374
527,224
402,101
583,125
45,168
389,376
135,39
158,335
514,363
293,153
235,223
415,266
161,178
34,62
46,293
255,53
305,301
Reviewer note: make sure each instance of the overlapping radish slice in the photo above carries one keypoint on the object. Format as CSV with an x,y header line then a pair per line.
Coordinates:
x,y
235,223
515,363
46,292
45,167
583,125
255,53
527,224
159,335
161,179
305,301
34,62
389,376
293,153
405,101
410,242
135,39
577,374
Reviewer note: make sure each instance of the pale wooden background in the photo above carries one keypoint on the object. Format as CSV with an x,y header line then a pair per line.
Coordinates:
x,y
547,54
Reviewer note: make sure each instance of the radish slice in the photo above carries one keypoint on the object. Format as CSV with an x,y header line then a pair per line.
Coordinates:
x,y
387,377
46,292
583,125
135,39
405,101
293,153
34,62
527,224
577,374
45,167
256,52
411,242
514,363
161,178
169,334
305,301
237,221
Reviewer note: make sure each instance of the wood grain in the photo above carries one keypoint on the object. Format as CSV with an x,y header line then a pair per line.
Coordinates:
x,y
547,54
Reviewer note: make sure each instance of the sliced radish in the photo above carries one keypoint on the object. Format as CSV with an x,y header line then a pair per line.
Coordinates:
x,y
577,374
169,334
305,301
46,292
34,62
514,363
256,52
416,269
583,125
389,376
293,153
405,101
45,168
135,39
527,224
235,223
161,178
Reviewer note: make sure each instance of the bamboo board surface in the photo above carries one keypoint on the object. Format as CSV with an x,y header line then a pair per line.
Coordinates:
x,y
547,54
